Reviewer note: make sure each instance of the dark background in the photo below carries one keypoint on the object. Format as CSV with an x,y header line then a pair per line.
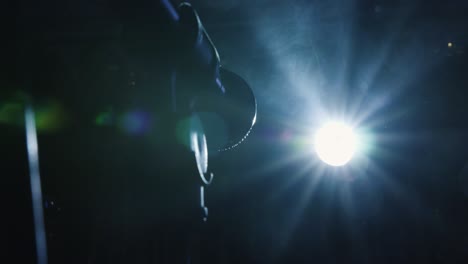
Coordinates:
x,y
384,66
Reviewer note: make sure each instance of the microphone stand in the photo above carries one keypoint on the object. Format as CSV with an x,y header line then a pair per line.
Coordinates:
x,y
203,55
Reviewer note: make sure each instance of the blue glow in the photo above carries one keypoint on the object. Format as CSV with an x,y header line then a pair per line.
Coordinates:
x,y
170,8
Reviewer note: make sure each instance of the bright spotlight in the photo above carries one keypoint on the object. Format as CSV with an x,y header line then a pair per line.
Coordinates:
x,y
335,143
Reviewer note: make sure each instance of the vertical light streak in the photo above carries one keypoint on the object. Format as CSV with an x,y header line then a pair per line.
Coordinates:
x,y
36,190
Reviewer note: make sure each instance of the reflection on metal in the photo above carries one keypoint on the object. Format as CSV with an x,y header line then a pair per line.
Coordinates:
x,y
239,108
200,148
36,191
202,203
202,196
171,10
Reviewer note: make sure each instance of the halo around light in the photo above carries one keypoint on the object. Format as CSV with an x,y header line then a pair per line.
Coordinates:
x,y
335,143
